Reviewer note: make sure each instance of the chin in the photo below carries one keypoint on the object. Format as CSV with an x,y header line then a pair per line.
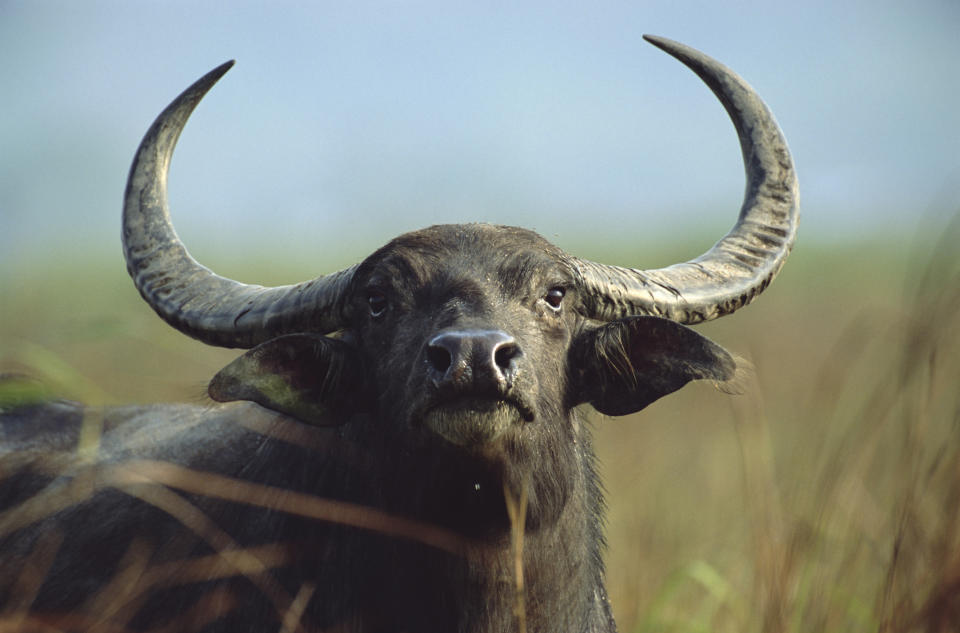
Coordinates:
x,y
473,422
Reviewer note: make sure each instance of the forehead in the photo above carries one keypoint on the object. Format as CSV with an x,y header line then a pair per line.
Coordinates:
x,y
490,252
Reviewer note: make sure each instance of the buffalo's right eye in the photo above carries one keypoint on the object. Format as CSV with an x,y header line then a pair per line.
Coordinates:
x,y
554,297
378,304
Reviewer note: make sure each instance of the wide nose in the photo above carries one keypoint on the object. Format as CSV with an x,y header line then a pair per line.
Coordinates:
x,y
473,360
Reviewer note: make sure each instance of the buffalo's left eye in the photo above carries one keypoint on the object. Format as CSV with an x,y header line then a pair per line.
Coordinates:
x,y
378,304
554,297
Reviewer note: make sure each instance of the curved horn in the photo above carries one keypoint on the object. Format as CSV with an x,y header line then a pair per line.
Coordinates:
x,y
186,295
741,265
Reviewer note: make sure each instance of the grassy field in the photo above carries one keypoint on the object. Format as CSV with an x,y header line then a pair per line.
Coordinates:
x,y
825,498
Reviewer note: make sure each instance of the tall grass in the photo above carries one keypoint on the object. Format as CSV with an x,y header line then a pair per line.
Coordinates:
x,y
825,498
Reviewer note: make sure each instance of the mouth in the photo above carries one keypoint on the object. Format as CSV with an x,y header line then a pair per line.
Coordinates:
x,y
474,421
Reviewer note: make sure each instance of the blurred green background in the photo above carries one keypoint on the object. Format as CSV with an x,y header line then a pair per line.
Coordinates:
x,y
826,497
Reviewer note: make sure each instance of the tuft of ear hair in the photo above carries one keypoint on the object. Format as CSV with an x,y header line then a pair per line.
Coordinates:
x,y
307,376
625,365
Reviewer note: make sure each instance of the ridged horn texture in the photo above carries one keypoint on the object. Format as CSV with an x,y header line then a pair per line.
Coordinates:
x,y
742,264
191,298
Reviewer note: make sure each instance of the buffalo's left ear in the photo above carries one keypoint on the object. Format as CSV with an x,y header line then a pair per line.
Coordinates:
x,y
623,366
307,376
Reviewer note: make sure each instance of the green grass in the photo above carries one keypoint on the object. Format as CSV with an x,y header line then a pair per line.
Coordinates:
x,y
825,498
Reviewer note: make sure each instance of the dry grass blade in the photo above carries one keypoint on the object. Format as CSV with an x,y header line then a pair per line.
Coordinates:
x,y
273,498
517,512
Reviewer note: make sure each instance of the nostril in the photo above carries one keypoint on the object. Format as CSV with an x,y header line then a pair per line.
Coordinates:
x,y
472,359
439,358
504,354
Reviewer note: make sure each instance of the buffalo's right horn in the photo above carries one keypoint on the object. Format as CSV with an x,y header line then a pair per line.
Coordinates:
x,y
186,295
741,265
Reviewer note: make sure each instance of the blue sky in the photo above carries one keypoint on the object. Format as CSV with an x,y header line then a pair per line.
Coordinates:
x,y
363,120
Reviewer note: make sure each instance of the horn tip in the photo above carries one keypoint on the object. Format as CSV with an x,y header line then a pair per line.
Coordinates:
x,y
656,40
222,69
672,47
205,83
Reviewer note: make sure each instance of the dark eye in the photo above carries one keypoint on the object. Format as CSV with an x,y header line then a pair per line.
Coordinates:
x,y
554,297
378,303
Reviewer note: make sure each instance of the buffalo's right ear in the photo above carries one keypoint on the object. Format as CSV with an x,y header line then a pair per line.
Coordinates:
x,y
623,366
307,376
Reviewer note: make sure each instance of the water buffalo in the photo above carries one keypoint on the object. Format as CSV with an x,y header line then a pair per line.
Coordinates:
x,y
399,450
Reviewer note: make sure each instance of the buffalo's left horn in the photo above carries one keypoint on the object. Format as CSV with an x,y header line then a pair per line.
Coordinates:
x,y
741,265
186,295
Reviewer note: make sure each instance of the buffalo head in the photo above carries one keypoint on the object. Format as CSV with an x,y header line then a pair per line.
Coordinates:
x,y
476,334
